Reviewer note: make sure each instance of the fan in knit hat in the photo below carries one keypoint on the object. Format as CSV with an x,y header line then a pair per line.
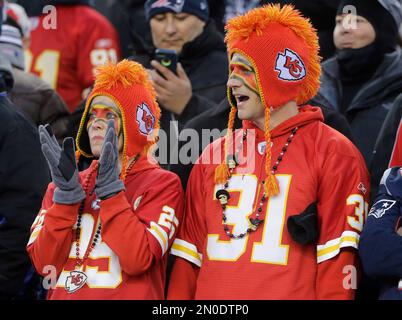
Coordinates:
x,y
128,85
282,46
198,8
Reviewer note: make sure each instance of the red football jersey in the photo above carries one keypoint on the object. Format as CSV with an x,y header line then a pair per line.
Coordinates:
x,y
66,47
129,260
396,157
320,165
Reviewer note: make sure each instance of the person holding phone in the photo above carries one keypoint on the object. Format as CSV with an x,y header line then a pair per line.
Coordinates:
x,y
199,81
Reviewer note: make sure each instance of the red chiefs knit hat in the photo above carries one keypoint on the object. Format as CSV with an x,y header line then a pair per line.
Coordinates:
x,y
282,46
128,85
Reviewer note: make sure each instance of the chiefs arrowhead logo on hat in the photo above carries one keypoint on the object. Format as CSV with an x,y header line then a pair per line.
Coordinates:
x,y
145,119
175,5
290,66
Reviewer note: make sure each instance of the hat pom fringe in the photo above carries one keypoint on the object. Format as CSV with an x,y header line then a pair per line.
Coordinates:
x,y
125,73
221,173
271,186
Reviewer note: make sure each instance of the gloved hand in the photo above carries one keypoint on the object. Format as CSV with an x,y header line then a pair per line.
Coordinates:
x,y
108,182
303,227
63,167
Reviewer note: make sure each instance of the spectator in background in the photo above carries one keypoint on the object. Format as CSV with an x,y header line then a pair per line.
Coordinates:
x,y
364,78
201,77
380,246
128,17
388,149
30,94
24,177
66,56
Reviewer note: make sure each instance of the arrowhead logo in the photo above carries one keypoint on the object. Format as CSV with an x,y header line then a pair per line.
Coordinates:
x,y
75,281
290,66
145,119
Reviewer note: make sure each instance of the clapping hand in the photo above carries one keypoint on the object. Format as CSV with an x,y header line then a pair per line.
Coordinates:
x,y
63,167
108,182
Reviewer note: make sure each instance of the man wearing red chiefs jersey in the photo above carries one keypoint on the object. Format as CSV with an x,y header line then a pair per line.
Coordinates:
x,y
67,44
105,231
280,216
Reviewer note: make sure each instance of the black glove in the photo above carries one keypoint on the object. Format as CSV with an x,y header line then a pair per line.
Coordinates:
x,y
303,227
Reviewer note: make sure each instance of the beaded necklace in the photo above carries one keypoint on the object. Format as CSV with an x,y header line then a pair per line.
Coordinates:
x,y
77,278
223,195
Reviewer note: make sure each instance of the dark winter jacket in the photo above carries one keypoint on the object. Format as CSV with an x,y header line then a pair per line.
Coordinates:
x,y
23,180
380,245
382,152
368,109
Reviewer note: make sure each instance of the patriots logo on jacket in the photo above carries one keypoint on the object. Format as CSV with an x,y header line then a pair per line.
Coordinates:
x,y
290,66
145,119
381,207
175,5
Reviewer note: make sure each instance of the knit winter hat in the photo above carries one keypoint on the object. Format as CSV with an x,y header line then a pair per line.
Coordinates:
x,y
198,8
128,85
282,46
19,15
11,46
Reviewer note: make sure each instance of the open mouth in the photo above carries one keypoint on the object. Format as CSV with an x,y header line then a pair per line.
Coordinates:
x,y
241,98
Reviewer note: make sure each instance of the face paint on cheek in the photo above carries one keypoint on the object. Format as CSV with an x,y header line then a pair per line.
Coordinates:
x,y
103,113
245,74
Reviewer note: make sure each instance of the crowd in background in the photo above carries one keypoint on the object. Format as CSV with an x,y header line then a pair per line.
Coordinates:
x,y
48,73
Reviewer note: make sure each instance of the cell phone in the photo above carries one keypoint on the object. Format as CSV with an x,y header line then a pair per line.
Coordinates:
x,y
167,58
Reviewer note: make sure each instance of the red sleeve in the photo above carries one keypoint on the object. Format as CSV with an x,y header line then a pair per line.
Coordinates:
x,y
190,240
396,158
343,197
142,236
97,44
337,277
51,233
179,289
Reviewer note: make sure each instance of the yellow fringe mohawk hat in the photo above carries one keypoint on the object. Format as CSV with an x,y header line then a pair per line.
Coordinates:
x,y
127,84
283,48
